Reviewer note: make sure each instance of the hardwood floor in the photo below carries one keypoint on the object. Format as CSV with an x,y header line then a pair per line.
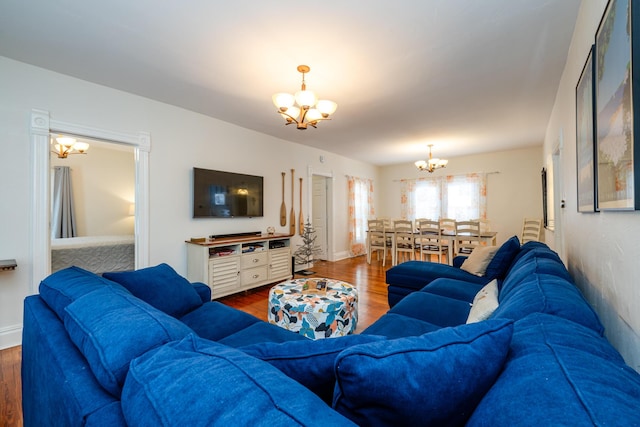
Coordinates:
x,y
372,303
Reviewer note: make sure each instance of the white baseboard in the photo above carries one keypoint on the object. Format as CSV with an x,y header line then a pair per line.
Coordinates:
x,y
10,336
341,255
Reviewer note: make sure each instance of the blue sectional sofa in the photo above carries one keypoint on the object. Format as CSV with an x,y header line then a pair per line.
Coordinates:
x,y
150,348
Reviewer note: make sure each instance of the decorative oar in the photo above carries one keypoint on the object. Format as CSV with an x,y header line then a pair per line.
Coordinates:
x,y
283,207
292,215
300,217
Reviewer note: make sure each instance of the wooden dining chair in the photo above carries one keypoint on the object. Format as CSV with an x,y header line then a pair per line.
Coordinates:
x,y
429,240
531,228
376,240
403,240
467,237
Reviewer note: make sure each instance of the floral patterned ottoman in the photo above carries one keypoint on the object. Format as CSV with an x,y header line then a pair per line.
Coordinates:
x,y
314,307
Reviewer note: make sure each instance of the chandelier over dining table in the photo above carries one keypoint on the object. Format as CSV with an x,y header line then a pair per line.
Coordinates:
x,y
431,164
304,109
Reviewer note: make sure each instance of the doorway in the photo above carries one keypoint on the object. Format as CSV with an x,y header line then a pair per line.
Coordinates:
x,y
321,219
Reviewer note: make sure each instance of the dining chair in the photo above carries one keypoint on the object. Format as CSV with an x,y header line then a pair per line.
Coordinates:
x,y
531,228
429,240
403,240
467,237
376,240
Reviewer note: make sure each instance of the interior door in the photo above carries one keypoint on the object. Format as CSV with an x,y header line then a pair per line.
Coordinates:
x,y
319,215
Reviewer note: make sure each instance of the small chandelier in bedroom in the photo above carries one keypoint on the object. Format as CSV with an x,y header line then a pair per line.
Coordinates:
x,y
432,164
308,111
66,146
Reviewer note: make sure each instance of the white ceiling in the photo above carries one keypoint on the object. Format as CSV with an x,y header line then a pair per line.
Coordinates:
x,y
469,76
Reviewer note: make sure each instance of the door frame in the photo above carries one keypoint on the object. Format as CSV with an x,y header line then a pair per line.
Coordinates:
x,y
41,126
330,205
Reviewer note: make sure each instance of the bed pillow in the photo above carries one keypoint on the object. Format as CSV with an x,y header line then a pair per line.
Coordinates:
x,y
111,327
479,259
484,303
161,287
432,380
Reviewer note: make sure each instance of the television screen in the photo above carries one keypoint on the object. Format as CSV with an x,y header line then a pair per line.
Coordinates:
x,y
221,194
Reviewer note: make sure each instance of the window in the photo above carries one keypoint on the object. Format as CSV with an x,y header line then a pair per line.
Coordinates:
x,y
459,197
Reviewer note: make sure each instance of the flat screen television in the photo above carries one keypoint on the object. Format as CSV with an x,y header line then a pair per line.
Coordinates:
x,y
219,194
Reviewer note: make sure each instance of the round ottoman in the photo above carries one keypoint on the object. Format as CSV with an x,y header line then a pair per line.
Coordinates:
x,y
314,307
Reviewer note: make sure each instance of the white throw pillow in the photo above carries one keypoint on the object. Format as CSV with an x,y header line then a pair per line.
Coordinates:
x,y
484,303
479,259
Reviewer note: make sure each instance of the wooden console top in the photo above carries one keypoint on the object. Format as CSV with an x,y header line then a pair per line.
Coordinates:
x,y
240,239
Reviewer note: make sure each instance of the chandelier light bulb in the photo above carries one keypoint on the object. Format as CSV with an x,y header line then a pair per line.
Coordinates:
x,y
283,101
326,107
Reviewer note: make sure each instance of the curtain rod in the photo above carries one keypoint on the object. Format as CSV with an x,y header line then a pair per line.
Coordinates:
x,y
444,176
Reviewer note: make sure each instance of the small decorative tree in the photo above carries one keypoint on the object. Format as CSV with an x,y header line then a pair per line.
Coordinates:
x,y
305,252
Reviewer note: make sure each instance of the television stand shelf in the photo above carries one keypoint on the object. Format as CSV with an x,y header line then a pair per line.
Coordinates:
x,y
232,264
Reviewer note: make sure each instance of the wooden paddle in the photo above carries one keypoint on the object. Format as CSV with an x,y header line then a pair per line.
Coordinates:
x,y
300,218
292,215
283,207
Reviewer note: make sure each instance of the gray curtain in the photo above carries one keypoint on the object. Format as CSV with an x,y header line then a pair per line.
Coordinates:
x,y
63,218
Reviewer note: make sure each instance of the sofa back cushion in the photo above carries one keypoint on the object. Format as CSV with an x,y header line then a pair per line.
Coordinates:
x,y
161,287
195,382
560,374
434,379
63,287
550,294
111,327
499,264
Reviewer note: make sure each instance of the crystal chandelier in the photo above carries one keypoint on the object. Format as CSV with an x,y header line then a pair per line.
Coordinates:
x,y
66,146
432,164
308,111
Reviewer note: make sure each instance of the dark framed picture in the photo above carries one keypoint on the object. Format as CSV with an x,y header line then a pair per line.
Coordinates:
x,y
616,151
585,137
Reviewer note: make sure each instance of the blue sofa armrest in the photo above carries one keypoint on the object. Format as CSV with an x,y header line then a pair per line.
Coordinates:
x,y
457,261
203,291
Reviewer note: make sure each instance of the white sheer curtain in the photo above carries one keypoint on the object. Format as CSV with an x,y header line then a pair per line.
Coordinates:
x,y
63,218
360,203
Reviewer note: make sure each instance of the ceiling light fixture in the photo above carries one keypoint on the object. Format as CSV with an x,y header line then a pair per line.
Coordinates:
x,y
66,146
309,110
432,164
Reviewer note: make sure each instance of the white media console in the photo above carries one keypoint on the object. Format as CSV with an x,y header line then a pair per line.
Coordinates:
x,y
233,264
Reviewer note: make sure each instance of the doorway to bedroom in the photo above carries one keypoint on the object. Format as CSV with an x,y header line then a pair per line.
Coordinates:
x,y
93,207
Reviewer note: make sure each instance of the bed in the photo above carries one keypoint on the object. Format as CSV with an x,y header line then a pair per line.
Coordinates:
x,y
94,253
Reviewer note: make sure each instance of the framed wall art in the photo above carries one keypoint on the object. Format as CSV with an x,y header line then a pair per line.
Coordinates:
x,y
615,94
585,135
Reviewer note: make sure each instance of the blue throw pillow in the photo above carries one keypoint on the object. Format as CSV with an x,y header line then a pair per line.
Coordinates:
x,y
499,264
434,379
65,286
161,287
195,382
310,362
110,327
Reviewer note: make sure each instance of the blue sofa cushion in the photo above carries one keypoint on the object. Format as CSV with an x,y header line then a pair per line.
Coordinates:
x,y
393,325
218,386
417,274
260,332
161,287
110,327
63,287
544,293
214,320
433,308
457,289
499,264
434,379
310,362
569,374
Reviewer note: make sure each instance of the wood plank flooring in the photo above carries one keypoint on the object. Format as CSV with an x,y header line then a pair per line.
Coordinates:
x,y
372,303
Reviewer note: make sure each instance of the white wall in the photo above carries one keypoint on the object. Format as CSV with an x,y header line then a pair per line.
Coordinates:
x,y
103,189
180,140
601,249
515,192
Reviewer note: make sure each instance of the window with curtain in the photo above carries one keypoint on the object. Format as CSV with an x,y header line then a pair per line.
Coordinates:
x,y
460,197
360,192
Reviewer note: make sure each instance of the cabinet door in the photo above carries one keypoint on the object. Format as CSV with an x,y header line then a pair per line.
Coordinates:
x,y
279,263
224,275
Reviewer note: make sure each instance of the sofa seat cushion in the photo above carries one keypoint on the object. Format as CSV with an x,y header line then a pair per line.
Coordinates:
x,y
111,327
457,289
393,325
218,386
214,320
161,287
433,308
543,293
569,374
501,261
434,379
63,287
310,362
260,332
